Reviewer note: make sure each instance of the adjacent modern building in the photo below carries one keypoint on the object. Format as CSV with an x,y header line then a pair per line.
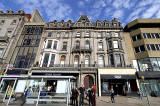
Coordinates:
x,y
143,39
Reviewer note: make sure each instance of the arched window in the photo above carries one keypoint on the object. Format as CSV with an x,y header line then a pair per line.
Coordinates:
x,y
63,57
87,45
87,61
76,61
77,44
101,61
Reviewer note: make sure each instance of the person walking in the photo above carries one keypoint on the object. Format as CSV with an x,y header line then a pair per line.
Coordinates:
x,y
93,96
75,97
140,94
89,96
81,92
72,95
112,95
43,93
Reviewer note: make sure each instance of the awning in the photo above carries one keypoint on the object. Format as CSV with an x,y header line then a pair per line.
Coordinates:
x,y
149,75
37,77
52,71
118,76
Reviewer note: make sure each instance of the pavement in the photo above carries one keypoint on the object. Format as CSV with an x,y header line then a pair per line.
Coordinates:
x,y
105,101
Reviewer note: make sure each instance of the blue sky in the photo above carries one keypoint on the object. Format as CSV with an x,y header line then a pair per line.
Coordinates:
x,y
124,10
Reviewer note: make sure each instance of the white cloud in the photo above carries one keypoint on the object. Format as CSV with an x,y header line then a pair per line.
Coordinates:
x,y
2,7
123,4
158,14
81,4
53,9
118,14
151,11
99,4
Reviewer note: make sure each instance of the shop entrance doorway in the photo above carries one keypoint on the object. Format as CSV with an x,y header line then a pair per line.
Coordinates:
x,y
7,86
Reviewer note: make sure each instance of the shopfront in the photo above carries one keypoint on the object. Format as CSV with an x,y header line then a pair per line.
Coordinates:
x,y
57,88
151,83
123,81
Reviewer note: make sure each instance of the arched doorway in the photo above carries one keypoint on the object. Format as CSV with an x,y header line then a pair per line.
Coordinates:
x,y
88,81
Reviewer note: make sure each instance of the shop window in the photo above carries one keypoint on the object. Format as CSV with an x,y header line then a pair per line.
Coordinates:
x,y
55,45
86,61
64,46
62,60
100,45
101,61
45,61
49,44
87,45
115,44
52,60
111,58
76,61
1,51
118,60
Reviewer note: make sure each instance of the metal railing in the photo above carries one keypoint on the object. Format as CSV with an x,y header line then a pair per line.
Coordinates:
x,y
81,49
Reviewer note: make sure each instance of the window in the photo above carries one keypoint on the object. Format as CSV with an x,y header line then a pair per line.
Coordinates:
x,y
1,51
153,35
116,34
100,46
110,44
14,22
139,49
76,61
148,35
87,45
58,35
55,45
77,45
86,62
157,35
107,34
2,22
49,34
87,34
45,61
27,42
151,47
52,60
111,58
9,33
49,44
64,46
66,35
118,60
99,35
144,35
62,60
78,34
137,37
115,44
157,46
101,61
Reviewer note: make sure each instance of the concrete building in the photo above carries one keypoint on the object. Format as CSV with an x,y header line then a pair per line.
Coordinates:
x,y
10,25
93,52
143,39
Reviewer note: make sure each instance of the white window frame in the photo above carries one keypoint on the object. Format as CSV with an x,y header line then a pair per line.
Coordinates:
x,y
115,44
1,54
99,35
100,45
78,34
49,59
108,34
87,34
100,61
116,34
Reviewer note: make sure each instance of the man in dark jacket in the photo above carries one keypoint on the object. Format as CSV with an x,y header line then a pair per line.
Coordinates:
x,y
75,97
93,96
81,92
90,96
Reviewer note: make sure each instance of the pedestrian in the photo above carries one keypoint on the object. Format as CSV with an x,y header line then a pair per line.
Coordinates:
x,y
112,95
81,93
93,96
75,97
140,94
89,96
23,99
28,92
72,95
43,93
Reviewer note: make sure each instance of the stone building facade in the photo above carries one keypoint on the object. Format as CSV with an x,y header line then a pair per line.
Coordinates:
x,y
10,25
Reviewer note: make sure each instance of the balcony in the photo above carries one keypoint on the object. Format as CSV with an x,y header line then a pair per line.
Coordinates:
x,y
78,49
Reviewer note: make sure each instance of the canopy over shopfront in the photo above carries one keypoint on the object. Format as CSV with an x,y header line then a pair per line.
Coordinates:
x,y
18,84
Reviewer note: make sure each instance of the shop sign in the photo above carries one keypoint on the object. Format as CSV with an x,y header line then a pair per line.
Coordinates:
x,y
117,76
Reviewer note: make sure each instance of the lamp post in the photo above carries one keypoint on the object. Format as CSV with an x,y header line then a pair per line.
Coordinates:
x,y
145,90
